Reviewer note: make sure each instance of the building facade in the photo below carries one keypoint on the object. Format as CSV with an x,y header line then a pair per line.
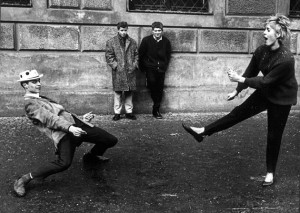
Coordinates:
x,y
65,40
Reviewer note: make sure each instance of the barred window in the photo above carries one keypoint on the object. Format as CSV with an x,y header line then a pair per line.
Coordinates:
x,y
16,3
185,6
295,8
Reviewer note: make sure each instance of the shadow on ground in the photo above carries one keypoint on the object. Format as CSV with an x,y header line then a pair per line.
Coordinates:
x,y
155,167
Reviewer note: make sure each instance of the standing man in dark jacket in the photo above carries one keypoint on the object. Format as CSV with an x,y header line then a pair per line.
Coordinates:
x,y
122,56
155,54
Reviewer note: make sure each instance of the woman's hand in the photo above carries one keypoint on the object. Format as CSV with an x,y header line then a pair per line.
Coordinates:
x,y
234,77
76,131
232,95
88,117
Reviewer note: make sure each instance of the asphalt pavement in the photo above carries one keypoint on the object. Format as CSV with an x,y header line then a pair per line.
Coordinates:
x,y
155,167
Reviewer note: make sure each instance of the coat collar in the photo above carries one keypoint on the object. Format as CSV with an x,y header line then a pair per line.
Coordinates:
x,y
127,41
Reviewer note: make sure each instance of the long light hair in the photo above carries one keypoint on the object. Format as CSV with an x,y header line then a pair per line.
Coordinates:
x,y
281,24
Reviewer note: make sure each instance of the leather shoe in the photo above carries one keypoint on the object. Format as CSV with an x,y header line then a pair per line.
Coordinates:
x,y
19,185
198,137
116,117
157,115
130,116
265,183
89,158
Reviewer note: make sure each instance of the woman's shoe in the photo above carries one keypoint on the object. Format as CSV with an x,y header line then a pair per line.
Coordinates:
x,y
265,183
269,180
198,137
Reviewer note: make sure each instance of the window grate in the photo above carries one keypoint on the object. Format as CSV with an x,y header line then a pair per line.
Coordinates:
x,y
189,6
295,8
16,3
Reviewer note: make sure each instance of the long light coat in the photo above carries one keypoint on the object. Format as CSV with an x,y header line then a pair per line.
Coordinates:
x,y
123,62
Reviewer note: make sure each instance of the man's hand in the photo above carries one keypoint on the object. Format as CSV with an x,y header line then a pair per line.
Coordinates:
x,y
232,95
88,117
76,131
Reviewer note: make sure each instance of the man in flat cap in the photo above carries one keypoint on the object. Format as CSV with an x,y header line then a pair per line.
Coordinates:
x,y
65,129
154,58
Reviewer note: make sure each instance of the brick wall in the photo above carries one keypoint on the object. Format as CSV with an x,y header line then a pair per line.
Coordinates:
x,y
65,40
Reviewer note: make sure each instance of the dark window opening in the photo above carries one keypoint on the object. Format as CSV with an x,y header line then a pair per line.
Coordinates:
x,y
295,8
186,6
16,3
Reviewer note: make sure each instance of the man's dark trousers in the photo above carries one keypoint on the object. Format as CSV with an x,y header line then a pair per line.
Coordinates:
x,y
155,83
67,146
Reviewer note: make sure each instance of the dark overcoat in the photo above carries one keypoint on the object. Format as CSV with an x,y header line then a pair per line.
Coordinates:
x,y
123,62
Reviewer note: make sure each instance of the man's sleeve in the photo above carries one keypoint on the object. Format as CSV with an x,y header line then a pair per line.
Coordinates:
x,y
110,55
136,56
142,51
168,52
36,112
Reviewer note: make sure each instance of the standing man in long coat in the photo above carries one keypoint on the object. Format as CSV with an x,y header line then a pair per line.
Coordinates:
x,y
122,56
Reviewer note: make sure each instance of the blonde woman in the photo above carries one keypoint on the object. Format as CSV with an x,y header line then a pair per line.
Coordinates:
x,y
276,91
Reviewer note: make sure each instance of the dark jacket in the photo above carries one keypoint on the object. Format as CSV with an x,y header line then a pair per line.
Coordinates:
x,y
278,83
155,55
123,62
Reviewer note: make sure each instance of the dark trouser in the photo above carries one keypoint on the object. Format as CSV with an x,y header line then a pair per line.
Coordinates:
x,y
155,83
67,145
256,103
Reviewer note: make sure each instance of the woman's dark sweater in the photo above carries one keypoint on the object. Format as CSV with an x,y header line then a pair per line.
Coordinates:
x,y
278,83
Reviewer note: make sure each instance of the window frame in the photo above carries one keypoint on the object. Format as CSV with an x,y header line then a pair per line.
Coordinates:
x,y
209,12
3,4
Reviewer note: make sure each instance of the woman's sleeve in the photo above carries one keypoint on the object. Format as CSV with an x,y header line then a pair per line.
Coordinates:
x,y
278,73
251,71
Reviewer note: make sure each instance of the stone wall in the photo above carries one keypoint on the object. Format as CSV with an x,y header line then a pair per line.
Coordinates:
x,y
65,40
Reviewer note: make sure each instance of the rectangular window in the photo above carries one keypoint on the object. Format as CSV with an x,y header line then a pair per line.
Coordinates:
x,y
177,6
295,8
16,3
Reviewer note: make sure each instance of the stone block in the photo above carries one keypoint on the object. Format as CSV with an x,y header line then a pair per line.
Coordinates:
x,y
94,38
64,3
251,7
297,72
258,39
62,71
12,103
145,31
182,40
202,99
223,41
97,5
80,102
6,36
193,71
292,42
48,37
